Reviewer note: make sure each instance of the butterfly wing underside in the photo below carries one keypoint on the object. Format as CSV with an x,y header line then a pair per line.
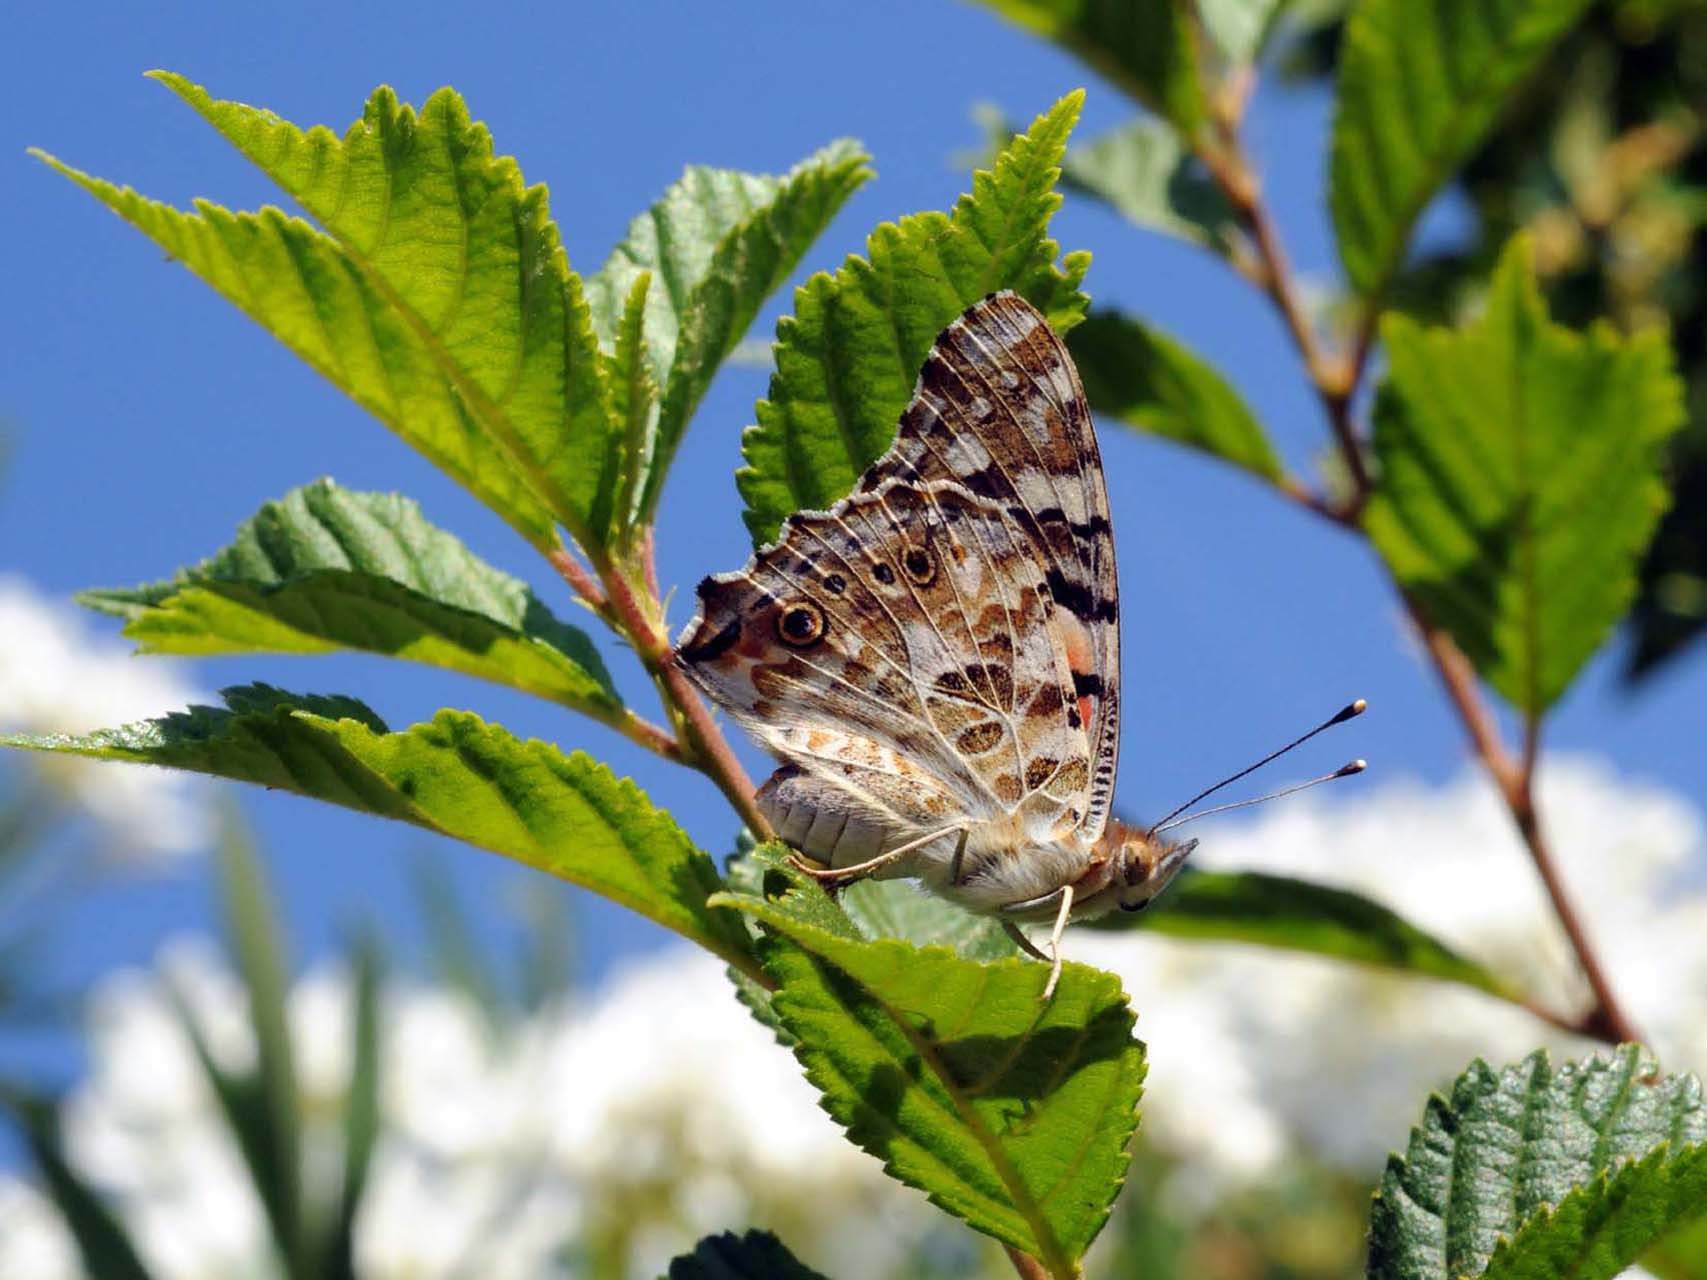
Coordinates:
x,y
939,647
999,409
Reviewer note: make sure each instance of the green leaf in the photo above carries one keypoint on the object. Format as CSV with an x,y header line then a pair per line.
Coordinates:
x,y
869,908
1296,915
1009,1112
102,1243
1143,47
1420,84
848,359
716,245
1519,479
1240,28
261,1104
1530,1173
1681,1255
1145,173
1142,377
757,1255
325,568
634,388
566,815
440,300
904,910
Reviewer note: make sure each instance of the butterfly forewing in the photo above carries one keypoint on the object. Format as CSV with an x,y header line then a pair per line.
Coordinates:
x,y
999,409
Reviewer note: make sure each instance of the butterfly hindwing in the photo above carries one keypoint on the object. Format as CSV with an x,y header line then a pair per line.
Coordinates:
x,y
915,619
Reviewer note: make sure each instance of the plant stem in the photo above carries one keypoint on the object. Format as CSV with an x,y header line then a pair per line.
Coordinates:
x,y
1516,783
1028,1267
579,580
703,745
1336,382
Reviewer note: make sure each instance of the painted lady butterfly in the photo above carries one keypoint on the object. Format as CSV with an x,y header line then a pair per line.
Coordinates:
x,y
936,658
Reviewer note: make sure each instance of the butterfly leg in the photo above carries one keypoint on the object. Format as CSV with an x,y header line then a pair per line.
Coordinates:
x,y
1053,957
959,858
1061,918
1024,943
841,875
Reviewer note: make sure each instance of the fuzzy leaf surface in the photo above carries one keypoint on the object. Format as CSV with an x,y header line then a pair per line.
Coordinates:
x,y
1520,479
716,245
1138,375
1531,1172
566,815
1144,47
1010,1113
1298,915
326,568
849,357
1420,84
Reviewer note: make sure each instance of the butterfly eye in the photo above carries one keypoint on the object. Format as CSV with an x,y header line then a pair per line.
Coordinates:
x,y
1135,906
919,566
800,625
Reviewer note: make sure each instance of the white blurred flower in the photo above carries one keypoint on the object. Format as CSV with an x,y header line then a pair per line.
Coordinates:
x,y
655,1115
58,676
629,1126
34,1243
1253,1052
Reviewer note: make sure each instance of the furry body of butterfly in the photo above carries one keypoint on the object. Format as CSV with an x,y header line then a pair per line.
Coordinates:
x,y
936,658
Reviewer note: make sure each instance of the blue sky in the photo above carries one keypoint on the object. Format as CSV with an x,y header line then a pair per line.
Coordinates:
x,y
147,418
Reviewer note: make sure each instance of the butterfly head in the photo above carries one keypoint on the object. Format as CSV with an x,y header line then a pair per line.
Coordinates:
x,y
1138,866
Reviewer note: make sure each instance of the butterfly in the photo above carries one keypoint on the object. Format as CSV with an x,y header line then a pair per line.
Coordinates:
x,y
935,660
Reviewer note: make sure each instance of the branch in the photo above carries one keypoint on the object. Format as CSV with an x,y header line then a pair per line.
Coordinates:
x,y
1029,1268
1337,380
1607,1020
703,744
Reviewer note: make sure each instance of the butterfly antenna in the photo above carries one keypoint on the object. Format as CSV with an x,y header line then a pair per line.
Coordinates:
x,y
1344,771
1348,712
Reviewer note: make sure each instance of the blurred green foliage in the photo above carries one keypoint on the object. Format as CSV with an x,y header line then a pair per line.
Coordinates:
x,y
1602,158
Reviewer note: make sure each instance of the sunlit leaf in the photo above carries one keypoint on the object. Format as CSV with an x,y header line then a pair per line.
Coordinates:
x,y
1532,1174
1008,1111
566,815
438,297
325,568
1420,84
1296,915
1138,375
716,245
1519,479
847,360
1142,46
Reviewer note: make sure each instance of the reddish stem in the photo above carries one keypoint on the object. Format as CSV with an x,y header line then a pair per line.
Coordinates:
x,y
1336,382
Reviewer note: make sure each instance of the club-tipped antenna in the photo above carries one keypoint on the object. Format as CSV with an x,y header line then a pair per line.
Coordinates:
x,y
1344,771
1347,712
